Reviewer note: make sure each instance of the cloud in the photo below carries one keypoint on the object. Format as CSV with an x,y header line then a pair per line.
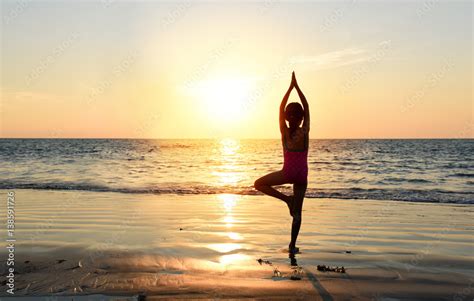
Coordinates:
x,y
338,58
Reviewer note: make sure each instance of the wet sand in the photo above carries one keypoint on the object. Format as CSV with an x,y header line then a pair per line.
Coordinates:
x,y
208,246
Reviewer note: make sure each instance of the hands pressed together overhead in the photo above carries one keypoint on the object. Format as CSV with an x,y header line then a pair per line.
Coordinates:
x,y
294,83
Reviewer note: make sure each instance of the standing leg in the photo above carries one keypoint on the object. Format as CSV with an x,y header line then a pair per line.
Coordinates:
x,y
265,183
299,191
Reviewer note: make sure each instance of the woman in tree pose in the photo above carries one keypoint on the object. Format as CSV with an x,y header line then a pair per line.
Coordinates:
x,y
295,152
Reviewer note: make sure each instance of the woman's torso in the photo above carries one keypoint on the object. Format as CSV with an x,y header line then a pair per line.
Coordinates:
x,y
296,140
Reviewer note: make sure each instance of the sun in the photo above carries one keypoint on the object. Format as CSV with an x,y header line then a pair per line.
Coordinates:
x,y
224,99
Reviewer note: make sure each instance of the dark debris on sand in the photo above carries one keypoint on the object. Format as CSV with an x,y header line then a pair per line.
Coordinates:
x,y
260,260
325,268
297,270
297,273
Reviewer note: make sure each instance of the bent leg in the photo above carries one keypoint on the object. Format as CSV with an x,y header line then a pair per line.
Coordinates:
x,y
265,183
299,191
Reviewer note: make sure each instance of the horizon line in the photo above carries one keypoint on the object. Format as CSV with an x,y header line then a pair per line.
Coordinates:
x,y
220,138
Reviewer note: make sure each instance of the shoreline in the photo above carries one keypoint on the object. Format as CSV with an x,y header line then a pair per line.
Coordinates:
x,y
207,246
336,194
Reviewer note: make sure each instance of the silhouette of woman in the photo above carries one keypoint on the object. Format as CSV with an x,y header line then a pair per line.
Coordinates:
x,y
295,153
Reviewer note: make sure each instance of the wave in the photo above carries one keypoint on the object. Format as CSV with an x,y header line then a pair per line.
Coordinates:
x,y
401,180
463,175
408,195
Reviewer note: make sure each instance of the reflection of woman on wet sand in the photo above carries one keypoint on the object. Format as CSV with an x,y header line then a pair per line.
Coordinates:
x,y
295,167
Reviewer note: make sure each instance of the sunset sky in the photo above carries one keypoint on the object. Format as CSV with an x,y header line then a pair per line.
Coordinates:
x,y
149,69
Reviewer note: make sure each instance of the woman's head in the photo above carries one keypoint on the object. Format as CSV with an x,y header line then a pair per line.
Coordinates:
x,y
294,113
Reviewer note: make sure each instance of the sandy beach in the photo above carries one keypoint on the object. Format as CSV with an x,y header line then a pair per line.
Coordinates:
x,y
92,245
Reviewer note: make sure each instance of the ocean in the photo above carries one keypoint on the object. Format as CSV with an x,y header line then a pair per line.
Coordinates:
x,y
412,170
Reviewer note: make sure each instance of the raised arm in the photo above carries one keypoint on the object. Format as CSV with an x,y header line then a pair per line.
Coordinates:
x,y
305,106
283,105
